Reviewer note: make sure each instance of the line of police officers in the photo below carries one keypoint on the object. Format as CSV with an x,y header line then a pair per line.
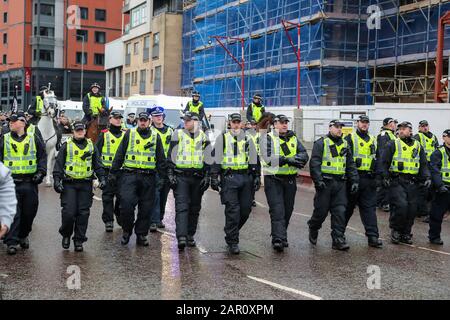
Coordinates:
x,y
138,166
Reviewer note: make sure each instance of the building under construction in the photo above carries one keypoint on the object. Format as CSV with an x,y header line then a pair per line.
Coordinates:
x,y
345,59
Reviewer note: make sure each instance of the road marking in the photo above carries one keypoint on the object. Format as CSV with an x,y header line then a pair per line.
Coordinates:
x,y
427,249
97,198
281,287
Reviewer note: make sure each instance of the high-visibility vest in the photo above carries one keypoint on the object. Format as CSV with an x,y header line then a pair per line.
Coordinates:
x,y
445,167
39,104
95,104
193,108
76,167
388,133
20,157
110,145
257,112
363,152
334,165
165,139
406,158
231,160
141,153
31,129
190,152
255,138
278,151
428,144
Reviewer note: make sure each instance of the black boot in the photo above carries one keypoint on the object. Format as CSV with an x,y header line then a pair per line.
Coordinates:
x,y
109,226
191,241
285,243
278,245
234,248
12,250
374,242
161,225
66,243
437,241
153,227
78,246
142,240
182,242
406,239
125,238
313,234
395,237
24,243
340,244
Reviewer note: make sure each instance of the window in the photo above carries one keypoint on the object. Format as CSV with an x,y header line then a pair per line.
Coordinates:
x,y
45,32
5,38
79,55
47,9
128,55
99,59
139,15
100,15
46,55
127,84
84,13
136,48
82,35
142,81
155,53
5,17
134,78
100,37
5,60
157,85
146,48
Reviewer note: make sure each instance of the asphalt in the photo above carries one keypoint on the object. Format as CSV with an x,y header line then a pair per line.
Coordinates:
x,y
109,270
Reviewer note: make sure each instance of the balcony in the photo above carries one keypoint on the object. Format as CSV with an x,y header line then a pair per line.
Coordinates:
x,y
47,41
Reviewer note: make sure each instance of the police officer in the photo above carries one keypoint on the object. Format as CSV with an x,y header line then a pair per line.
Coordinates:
x,y
238,167
24,154
131,121
93,103
363,147
165,133
440,173
107,145
253,134
196,106
256,109
388,133
37,106
73,173
429,143
140,156
283,155
331,166
188,173
404,165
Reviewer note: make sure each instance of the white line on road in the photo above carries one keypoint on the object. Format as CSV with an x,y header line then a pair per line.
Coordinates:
x,y
281,287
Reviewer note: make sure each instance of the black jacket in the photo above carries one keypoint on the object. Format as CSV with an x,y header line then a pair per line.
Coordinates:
x,y
41,154
207,151
435,167
33,107
254,166
315,164
87,103
250,111
119,158
58,170
64,129
389,152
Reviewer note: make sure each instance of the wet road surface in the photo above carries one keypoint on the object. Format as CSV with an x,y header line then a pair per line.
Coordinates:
x,y
109,270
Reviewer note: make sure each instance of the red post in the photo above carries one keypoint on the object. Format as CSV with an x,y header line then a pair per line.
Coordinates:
x,y
443,21
286,25
243,77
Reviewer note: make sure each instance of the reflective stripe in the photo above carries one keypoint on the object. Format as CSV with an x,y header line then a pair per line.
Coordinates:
x,y
39,104
230,160
403,160
428,144
195,109
137,155
257,112
110,145
279,152
17,158
165,139
76,167
190,153
363,150
445,168
333,165
95,104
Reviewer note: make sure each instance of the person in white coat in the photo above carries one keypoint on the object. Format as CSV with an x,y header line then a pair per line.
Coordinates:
x,y
8,201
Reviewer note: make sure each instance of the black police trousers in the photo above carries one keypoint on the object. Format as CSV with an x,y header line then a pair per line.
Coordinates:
x,y
236,195
440,205
332,199
160,202
136,189
27,207
188,203
280,193
76,202
382,195
366,200
111,202
424,201
403,201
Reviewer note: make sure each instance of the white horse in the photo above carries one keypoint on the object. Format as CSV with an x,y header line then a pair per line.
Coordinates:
x,y
47,128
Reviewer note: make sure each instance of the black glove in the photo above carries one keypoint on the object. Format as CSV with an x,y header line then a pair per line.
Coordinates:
x,y
443,189
354,188
321,185
427,183
58,186
204,183
172,180
386,182
38,178
257,182
215,184
102,184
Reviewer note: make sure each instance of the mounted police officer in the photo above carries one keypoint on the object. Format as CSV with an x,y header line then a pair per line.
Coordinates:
x,y
93,103
238,167
196,106
256,109
107,145
404,166
73,173
282,156
24,154
37,106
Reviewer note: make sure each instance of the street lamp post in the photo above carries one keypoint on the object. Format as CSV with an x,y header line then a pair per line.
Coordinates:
x,y
240,63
